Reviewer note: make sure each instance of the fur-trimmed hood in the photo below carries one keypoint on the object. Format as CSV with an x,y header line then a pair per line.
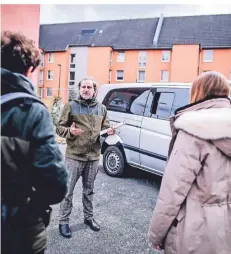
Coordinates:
x,y
210,120
209,124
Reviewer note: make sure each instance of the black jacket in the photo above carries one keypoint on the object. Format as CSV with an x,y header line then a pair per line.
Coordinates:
x,y
30,122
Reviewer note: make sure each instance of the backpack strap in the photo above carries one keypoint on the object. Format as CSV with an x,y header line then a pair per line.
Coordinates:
x,y
13,96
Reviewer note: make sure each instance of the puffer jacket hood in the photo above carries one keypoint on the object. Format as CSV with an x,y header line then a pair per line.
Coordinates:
x,y
209,124
208,120
15,82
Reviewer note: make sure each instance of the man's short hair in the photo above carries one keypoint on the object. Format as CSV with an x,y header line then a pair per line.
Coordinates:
x,y
18,53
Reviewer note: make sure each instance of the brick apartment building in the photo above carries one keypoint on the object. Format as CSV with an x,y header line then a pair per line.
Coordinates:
x,y
22,18
165,49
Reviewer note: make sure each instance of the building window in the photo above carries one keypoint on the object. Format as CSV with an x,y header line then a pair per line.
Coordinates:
x,y
208,56
141,76
49,91
40,92
120,56
51,58
165,56
72,60
41,59
142,59
72,78
50,75
164,75
41,77
72,75
119,75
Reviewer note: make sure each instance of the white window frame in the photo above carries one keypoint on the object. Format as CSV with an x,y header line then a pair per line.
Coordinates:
x,y
142,59
42,59
117,75
73,61
120,56
52,76
161,76
41,77
40,92
71,80
138,80
47,92
204,56
168,56
73,58
50,57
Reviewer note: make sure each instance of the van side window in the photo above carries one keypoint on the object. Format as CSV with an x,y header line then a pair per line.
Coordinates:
x,y
159,105
127,100
181,98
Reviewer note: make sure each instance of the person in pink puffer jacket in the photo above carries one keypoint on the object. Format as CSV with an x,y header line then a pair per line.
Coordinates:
x,y
193,211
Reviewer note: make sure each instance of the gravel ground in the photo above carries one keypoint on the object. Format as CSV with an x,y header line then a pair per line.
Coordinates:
x,y
122,206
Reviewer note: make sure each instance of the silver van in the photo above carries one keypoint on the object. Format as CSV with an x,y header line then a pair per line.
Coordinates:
x,y
144,139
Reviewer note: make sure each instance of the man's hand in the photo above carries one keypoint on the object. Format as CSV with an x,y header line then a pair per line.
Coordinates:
x,y
111,131
75,131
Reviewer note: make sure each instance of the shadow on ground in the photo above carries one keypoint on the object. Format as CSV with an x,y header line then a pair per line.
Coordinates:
x,y
138,175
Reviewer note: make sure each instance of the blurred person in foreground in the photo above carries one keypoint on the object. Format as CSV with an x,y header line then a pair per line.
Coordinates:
x,y
33,173
193,211
80,123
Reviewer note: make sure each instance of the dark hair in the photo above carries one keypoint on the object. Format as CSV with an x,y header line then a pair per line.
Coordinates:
x,y
209,84
18,53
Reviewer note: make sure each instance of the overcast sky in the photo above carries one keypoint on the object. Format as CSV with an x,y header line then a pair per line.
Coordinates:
x,y
61,13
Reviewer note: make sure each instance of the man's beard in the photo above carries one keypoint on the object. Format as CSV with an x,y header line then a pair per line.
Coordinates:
x,y
88,99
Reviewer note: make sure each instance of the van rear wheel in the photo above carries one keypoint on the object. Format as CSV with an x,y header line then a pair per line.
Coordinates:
x,y
113,161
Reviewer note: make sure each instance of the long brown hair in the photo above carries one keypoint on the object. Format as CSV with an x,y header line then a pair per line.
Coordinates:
x,y
209,84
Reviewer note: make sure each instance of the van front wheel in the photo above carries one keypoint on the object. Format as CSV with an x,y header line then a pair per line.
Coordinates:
x,y
113,161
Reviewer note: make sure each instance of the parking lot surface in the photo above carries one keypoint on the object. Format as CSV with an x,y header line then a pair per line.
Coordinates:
x,y
122,206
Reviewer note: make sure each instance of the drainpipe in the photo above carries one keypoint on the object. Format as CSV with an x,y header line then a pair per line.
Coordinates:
x,y
199,60
60,66
158,30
